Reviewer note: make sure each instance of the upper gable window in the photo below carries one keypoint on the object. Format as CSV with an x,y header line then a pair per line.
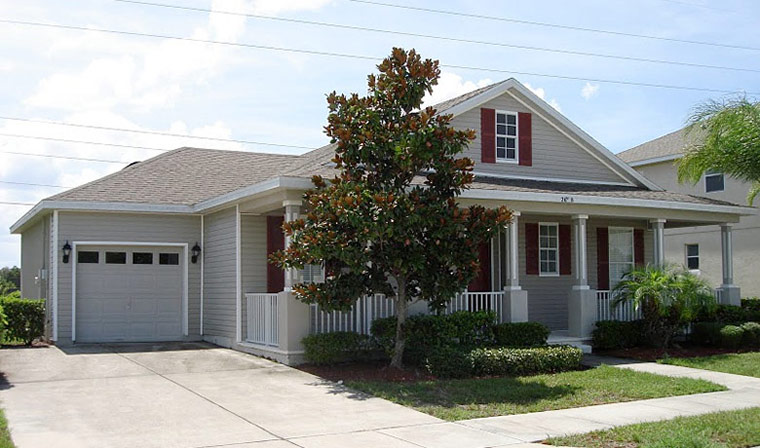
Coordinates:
x,y
506,136
714,181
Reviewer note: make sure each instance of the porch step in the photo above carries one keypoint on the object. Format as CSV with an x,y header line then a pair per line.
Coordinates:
x,y
562,338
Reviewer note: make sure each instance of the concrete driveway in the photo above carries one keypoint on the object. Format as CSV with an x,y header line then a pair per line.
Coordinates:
x,y
186,395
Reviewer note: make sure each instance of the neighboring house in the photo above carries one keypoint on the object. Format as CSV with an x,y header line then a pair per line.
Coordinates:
x,y
699,248
582,218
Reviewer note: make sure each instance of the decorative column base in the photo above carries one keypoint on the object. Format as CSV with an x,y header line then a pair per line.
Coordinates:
x,y
293,326
581,315
514,306
730,295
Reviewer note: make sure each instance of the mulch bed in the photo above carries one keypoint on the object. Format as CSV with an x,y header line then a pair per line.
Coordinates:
x,y
370,371
680,351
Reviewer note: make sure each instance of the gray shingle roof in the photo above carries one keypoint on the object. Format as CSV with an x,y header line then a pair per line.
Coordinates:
x,y
672,144
448,104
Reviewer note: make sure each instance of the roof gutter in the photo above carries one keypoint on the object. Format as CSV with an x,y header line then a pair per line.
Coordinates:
x,y
655,160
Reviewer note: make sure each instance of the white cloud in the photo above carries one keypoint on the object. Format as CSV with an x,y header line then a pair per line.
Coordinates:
x,y
589,90
541,93
451,85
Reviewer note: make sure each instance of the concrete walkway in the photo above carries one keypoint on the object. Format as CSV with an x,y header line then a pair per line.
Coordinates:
x,y
197,395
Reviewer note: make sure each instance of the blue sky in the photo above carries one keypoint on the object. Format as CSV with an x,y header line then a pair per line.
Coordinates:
x,y
249,94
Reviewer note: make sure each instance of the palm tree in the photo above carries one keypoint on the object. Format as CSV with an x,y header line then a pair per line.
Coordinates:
x,y
726,138
669,298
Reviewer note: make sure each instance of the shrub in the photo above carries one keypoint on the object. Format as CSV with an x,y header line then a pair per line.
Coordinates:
x,y
521,334
751,333
449,362
337,347
751,304
25,319
612,334
2,322
731,336
525,361
706,333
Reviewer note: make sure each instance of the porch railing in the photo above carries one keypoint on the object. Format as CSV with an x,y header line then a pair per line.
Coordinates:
x,y
719,295
359,319
606,310
263,319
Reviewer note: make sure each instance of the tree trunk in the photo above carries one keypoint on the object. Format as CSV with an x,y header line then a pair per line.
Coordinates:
x,y
401,309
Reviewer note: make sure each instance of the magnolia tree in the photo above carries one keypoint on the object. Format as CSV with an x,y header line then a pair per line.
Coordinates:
x,y
389,221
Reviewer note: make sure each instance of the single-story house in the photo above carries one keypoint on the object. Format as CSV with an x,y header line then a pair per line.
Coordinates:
x,y
175,247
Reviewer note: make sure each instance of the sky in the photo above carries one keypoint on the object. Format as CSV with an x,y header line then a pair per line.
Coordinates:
x,y
191,88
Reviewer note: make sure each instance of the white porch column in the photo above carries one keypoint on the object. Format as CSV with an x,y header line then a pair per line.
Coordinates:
x,y
292,211
729,293
581,314
515,303
658,225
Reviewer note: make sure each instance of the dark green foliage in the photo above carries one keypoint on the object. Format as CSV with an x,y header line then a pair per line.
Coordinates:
x,y
751,334
521,334
706,333
449,362
25,319
732,314
343,346
10,280
731,336
751,304
612,334
426,332
525,361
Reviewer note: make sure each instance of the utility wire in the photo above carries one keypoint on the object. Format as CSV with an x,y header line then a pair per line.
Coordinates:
x,y
372,58
65,140
15,203
52,156
139,131
554,25
444,38
31,184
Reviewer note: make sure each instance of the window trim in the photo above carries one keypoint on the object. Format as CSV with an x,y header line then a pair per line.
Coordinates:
x,y
556,250
496,136
712,173
687,256
609,247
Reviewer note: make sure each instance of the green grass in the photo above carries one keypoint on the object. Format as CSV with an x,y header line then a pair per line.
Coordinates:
x,y
739,363
487,397
5,434
732,429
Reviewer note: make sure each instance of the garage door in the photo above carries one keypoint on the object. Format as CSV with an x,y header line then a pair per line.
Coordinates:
x,y
128,294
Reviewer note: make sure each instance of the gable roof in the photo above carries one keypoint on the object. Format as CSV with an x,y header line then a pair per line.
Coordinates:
x,y
668,147
471,100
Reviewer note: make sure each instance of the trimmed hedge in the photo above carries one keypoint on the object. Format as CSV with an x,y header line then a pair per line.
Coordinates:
x,y
521,334
706,333
25,319
450,362
732,314
751,334
731,336
612,334
338,347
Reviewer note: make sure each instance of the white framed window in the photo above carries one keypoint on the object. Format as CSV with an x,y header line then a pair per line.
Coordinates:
x,y
621,253
506,136
714,181
692,257
548,249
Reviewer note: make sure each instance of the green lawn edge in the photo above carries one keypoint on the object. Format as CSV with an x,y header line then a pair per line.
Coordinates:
x,y
728,429
489,397
747,364
5,433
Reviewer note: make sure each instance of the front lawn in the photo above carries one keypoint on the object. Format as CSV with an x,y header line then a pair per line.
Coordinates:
x,y
5,434
732,429
739,363
488,397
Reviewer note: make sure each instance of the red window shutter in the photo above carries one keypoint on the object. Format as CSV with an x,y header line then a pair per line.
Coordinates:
x,y
602,258
525,131
487,135
638,247
275,242
531,249
482,282
565,250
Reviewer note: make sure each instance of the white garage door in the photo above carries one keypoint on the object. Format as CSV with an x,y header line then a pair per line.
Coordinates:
x,y
129,294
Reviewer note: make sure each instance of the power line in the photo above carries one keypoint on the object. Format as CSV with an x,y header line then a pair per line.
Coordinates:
x,y
65,140
139,131
372,58
16,203
444,38
555,25
52,156
31,184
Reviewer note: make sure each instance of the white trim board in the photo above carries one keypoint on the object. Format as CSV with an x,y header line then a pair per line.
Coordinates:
x,y
73,262
550,179
53,275
653,160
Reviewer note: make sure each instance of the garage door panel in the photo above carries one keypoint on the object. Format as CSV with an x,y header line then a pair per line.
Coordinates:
x,y
128,302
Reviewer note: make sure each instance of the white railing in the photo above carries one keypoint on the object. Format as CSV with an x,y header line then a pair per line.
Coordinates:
x,y
359,319
263,319
606,310
476,301
719,295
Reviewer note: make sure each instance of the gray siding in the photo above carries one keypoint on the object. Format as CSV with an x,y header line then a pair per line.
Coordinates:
x,y
34,258
125,227
253,257
220,281
554,155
